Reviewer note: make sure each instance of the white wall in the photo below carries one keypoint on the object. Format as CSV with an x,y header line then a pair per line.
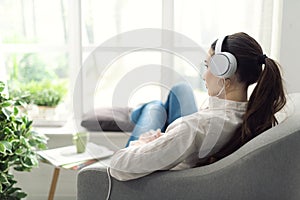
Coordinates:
x,y
290,43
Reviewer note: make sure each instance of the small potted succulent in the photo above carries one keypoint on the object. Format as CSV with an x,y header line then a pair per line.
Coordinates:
x,y
18,145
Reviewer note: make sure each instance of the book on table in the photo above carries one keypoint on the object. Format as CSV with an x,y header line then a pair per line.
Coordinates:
x,y
67,157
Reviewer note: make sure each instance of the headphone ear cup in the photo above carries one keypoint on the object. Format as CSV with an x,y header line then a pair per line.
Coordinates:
x,y
219,64
232,65
223,65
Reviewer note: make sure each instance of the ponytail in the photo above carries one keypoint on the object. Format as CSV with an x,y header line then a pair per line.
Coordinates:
x,y
267,98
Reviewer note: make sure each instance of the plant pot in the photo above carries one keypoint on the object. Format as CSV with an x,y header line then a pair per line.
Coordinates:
x,y
46,113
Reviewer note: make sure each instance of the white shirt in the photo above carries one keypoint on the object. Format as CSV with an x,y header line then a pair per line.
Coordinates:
x,y
186,141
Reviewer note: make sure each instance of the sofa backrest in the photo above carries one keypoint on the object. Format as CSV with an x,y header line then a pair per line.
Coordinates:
x,y
289,123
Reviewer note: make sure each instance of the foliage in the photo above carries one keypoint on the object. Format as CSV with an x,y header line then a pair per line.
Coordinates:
x,y
18,145
28,67
20,96
32,68
43,93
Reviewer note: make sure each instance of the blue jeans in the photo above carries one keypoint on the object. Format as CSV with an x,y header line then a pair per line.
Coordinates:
x,y
158,115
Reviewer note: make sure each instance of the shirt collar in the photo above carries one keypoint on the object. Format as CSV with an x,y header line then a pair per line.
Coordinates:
x,y
216,103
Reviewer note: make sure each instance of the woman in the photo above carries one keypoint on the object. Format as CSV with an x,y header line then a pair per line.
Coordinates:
x,y
192,138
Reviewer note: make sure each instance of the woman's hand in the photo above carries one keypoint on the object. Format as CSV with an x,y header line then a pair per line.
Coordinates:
x,y
150,136
147,137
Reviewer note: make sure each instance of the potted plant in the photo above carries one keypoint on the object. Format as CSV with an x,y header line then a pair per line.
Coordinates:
x,y
18,145
46,95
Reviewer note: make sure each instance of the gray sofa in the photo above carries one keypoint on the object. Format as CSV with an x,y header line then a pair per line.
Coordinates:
x,y
268,167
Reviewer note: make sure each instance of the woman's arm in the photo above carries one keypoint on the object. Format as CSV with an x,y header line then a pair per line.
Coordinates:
x,y
163,153
146,138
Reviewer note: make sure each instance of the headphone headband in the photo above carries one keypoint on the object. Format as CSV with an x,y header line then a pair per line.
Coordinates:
x,y
218,48
222,64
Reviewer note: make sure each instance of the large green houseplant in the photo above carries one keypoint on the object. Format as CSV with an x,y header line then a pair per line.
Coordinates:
x,y
18,145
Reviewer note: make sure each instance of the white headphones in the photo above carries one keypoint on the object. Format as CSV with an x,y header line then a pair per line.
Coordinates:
x,y
222,64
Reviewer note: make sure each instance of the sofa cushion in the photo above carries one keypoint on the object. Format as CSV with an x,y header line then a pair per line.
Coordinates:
x,y
108,119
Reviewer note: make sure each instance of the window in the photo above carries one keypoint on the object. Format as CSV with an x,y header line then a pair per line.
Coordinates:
x,y
34,46
50,39
103,20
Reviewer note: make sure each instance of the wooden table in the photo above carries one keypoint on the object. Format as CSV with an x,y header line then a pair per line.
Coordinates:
x,y
53,183
67,158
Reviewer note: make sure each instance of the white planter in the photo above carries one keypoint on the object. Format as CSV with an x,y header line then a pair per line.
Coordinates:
x,y
46,113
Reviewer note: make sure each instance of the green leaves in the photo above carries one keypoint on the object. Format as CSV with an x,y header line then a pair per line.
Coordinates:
x,y
6,112
18,145
44,93
5,147
2,148
6,104
2,86
3,179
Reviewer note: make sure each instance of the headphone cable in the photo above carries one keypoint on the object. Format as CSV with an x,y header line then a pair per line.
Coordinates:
x,y
222,89
109,183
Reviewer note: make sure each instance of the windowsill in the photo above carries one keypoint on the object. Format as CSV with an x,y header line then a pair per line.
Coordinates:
x,y
69,128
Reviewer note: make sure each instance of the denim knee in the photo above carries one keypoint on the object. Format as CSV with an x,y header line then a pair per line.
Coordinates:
x,y
136,113
181,89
